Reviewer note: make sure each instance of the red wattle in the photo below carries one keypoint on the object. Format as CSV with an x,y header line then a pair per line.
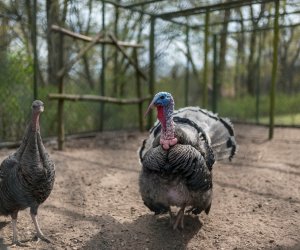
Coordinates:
x,y
161,116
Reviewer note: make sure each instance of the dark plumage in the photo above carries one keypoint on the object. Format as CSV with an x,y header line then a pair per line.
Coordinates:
x,y
178,157
27,176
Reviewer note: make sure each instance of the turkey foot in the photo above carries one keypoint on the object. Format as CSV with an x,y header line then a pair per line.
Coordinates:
x,y
19,244
39,234
179,219
171,216
42,237
167,143
15,241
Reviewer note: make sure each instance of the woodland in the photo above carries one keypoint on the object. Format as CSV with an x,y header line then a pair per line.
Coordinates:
x,y
244,61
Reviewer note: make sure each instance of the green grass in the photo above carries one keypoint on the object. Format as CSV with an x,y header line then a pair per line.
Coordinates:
x,y
289,119
287,109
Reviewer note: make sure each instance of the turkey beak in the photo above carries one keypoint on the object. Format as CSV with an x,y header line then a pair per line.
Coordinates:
x,y
149,108
41,109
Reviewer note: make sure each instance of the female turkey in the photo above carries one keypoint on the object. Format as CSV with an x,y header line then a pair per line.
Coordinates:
x,y
27,176
178,156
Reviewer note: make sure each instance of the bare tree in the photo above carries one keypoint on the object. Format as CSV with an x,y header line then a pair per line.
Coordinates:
x,y
55,16
251,59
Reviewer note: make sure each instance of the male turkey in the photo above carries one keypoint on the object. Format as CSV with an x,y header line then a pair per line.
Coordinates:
x,y
27,176
178,156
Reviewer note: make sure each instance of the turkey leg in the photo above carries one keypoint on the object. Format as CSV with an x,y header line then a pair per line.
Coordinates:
x,y
179,218
39,233
14,217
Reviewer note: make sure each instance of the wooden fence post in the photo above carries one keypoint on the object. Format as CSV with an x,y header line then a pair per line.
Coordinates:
x,y
187,71
274,70
205,73
152,66
60,109
102,83
139,92
215,93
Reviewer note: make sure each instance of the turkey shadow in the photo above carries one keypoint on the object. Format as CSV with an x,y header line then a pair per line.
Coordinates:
x,y
146,232
2,225
294,247
2,245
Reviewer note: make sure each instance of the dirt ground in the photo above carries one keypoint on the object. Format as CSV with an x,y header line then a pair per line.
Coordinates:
x,y
96,204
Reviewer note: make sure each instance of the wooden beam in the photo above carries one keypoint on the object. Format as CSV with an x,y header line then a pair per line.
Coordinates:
x,y
213,7
112,37
146,13
143,3
97,98
85,49
239,20
89,39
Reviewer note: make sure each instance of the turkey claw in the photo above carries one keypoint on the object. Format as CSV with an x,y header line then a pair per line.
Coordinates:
x,y
38,237
19,244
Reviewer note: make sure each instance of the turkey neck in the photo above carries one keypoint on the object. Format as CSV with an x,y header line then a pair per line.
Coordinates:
x,y
35,121
29,143
165,116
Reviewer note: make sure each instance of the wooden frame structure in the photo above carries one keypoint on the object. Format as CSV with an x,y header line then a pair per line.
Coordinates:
x,y
61,97
206,9
170,17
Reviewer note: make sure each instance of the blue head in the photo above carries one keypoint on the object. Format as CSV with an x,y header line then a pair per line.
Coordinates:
x,y
162,99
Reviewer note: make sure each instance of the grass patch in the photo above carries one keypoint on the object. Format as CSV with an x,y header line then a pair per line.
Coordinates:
x,y
287,109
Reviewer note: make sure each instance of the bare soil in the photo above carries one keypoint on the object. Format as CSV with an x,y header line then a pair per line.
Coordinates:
x,y
96,204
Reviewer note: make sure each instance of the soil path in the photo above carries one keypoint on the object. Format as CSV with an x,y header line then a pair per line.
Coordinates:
x,y
95,203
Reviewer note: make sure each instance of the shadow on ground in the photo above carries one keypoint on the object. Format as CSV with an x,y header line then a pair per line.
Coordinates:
x,y
2,245
146,232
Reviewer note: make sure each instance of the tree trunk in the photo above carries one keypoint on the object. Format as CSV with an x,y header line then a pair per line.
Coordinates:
x,y
116,52
251,59
52,11
251,65
240,58
223,47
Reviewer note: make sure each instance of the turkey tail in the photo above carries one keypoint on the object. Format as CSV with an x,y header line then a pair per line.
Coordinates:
x,y
219,130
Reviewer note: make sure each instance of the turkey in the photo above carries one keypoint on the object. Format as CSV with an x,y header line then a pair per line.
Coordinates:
x,y
178,156
27,176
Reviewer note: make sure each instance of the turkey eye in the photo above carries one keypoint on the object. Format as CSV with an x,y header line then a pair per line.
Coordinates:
x,y
162,97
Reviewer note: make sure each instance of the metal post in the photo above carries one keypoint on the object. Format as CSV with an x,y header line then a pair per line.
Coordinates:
x,y
215,76
274,69
205,69
102,83
35,56
152,65
187,75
